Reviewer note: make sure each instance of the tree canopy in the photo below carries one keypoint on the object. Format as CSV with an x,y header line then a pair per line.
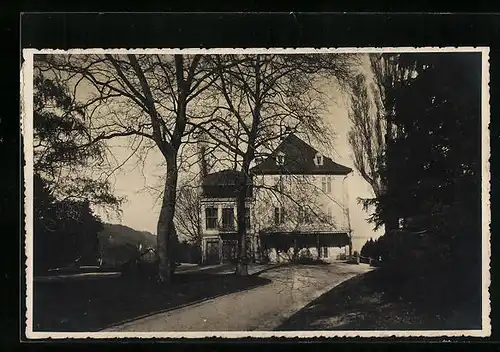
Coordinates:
x,y
65,227
431,205
63,148
434,157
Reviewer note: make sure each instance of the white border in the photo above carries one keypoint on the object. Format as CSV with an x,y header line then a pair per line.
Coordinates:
x,y
193,51
27,129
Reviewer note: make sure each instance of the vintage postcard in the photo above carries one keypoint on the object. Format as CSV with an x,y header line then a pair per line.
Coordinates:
x,y
256,192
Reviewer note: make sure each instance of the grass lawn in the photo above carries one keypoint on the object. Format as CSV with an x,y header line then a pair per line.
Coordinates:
x,y
92,304
379,301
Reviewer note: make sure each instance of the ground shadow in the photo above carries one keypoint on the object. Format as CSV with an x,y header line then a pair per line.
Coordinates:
x,y
92,304
375,301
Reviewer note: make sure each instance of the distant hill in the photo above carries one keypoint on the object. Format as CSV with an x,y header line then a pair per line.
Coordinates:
x,y
121,243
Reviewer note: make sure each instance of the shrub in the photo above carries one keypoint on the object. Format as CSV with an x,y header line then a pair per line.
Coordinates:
x,y
364,260
305,254
353,260
342,256
305,257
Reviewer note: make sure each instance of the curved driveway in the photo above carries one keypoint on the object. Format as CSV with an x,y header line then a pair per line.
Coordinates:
x,y
262,308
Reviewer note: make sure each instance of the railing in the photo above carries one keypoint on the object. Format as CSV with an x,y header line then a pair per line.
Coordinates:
x,y
227,228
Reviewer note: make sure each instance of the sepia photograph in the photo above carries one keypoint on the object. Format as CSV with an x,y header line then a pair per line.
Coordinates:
x,y
256,192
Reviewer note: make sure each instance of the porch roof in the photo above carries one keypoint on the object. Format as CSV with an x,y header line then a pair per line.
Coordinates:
x,y
311,239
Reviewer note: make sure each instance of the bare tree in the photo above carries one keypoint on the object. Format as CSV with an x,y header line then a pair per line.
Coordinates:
x,y
143,97
367,134
254,98
187,214
373,130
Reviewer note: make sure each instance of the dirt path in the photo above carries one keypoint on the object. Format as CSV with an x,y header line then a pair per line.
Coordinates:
x,y
261,308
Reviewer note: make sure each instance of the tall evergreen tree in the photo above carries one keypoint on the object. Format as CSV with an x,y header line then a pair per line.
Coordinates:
x,y
65,227
434,157
434,161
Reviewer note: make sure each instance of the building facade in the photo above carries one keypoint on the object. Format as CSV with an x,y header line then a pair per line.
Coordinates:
x,y
218,217
301,204
296,206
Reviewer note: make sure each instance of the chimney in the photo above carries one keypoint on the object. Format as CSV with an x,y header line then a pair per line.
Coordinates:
x,y
203,161
284,131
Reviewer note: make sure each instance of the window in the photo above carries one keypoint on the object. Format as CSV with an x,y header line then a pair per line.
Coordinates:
x,y
228,218
329,215
247,218
278,183
307,216
278,215
211,218
304,216
318,160
323,184
280,159
323,252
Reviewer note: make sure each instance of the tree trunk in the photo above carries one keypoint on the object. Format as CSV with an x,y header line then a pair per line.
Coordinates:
x,y
242,266
318,248
350,245
165,228
390,222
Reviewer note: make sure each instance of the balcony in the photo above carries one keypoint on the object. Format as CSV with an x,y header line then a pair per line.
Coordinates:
x,y
227,228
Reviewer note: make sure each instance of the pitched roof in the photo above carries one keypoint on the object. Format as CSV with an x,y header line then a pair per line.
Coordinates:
x,y
223,184
298,159
223,178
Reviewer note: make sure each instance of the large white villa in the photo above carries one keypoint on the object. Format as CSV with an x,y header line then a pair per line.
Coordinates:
x,y
296,205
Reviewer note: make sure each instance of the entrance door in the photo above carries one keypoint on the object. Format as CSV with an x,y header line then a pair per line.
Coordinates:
x,y
229,251
212,252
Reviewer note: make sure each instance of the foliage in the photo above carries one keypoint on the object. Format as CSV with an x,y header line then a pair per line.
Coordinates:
x,y
65,231
65,228
304,256
367,249
119,243
432,168
63,148
435,155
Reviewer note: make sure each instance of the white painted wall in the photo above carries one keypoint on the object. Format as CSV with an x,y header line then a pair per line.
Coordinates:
x,y
328,209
